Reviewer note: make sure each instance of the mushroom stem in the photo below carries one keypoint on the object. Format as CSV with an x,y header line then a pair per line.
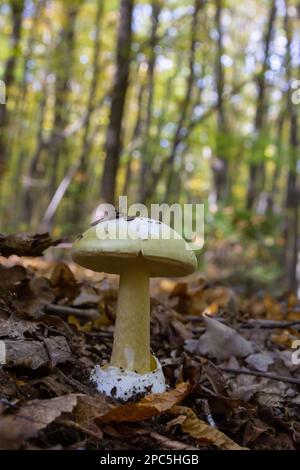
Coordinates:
x,y
131,348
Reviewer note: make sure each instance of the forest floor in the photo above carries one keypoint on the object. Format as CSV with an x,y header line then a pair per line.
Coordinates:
x,y
227,359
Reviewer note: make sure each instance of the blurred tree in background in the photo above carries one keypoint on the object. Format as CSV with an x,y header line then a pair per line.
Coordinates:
x,y
164,101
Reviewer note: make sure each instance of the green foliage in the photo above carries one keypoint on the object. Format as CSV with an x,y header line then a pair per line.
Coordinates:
x,y
251,243
49,95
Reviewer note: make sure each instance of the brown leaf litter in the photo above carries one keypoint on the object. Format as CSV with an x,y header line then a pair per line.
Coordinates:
x,y
227,360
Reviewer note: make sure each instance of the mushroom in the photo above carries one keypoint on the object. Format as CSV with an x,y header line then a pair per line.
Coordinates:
x,y
135,248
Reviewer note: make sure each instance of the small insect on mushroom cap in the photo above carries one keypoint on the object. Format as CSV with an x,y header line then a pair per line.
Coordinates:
x,y
108,245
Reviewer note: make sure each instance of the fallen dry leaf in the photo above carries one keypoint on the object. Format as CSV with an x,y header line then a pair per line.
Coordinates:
x,y
149,406
25,244
64,283
88,409
31,354
220,341
33,323
32,417
202,432
58,350
254,430
11,275
32,295
211,298
260,361
36,354
284,338
180,289
175,422
15,328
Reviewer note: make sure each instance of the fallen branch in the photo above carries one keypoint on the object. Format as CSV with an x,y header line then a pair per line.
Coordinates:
x,y
270,324
165,441
73,382
77,427
25,244
58,195
64,311
265,324
199,319
266,375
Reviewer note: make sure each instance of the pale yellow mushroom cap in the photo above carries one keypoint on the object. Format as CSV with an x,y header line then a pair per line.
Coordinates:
x,y
112,244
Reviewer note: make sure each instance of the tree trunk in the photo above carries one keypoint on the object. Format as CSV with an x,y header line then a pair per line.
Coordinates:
x,y
82,170
29,51
8,78
156,173
220,163
257,169
113,142
274,191
64,62
135,138
291,226
32,186
145,154
186,101
292,209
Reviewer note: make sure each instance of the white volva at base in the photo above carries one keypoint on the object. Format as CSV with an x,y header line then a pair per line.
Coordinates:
x,y
123,384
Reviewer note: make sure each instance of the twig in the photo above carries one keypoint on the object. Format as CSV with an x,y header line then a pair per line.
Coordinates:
x,y
71,424
199,319
100,334
194,318
165,441
251,323
270,324
64,311
207,412
58,195
79,386
266,375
